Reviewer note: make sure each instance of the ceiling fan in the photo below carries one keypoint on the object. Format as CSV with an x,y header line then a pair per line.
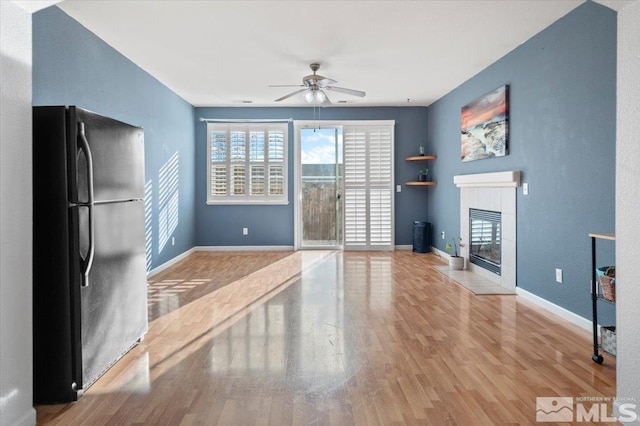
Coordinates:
x,y
314,86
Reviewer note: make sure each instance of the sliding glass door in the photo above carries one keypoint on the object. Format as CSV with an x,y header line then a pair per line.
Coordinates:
x,y
344,185
320,188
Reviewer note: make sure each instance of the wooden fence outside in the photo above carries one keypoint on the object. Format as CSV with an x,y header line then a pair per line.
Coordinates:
x,y
319,212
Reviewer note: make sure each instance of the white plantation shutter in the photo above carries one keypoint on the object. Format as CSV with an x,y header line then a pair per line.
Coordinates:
x,y
247,163
276,180
380,217
380,186
277,161
368,182
218,162
355,217
355,187
257,180
257,169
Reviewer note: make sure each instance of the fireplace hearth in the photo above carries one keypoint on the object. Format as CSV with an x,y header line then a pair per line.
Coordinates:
x,y
485,238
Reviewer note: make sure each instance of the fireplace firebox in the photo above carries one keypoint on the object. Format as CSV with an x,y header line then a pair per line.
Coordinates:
x,y
485,249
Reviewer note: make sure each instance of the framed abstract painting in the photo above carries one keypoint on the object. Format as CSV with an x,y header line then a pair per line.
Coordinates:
x,y
484,125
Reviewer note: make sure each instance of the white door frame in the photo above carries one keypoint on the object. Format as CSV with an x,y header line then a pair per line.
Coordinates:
x,y
298,125
297,169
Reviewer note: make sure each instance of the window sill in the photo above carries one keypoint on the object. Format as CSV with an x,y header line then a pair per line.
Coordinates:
x,y
247,202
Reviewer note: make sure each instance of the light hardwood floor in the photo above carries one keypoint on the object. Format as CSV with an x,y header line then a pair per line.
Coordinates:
x,y
321,337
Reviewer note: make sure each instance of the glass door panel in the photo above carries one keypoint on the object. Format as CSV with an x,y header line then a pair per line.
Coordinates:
x,y
321,168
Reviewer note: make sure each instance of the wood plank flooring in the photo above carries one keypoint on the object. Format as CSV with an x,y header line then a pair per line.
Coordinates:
x,y
336,338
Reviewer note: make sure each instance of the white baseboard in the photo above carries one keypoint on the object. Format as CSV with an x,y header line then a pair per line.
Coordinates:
x,y
558,310
168,263
27,419
404,247
243,248
441,253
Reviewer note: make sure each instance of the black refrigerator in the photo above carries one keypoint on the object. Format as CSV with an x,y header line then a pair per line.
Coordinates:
x,y
89,269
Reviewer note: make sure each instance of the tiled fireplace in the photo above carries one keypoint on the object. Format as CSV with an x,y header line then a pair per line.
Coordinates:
x,y
493,192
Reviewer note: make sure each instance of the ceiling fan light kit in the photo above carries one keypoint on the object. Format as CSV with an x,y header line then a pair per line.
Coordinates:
x,y
313,86
315,96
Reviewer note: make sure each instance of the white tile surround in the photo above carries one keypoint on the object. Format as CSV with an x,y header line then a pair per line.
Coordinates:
x,y
496,192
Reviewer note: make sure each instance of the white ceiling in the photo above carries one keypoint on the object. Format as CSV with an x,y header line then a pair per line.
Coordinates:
x,y
218,53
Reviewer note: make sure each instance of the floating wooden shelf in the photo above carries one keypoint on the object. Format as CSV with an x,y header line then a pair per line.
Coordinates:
x,y
610,237
414,183
421,158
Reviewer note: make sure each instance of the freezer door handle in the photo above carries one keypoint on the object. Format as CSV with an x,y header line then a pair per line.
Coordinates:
x,y
86,262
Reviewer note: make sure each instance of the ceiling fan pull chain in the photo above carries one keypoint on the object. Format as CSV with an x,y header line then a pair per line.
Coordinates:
x,y
314,117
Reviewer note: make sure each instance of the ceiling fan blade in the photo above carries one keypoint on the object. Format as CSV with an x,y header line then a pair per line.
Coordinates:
x,y
347,91
326,101
287,85
290,95
324,82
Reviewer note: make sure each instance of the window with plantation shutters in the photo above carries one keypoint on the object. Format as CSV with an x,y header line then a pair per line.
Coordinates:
x,y
368,187
247,163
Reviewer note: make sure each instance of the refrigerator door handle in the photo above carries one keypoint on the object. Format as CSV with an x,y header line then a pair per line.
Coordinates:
x,y
87,262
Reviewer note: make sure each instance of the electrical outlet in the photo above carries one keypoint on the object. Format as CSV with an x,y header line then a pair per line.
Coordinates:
x,y
245,231
442,235
173,241
559,275
525,188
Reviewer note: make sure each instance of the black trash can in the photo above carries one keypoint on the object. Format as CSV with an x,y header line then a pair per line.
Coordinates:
x,y
421,237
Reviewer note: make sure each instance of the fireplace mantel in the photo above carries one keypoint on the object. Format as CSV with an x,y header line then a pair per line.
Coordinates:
x,y
483,180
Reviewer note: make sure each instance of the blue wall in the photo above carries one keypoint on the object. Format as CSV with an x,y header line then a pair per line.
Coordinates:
x,y
273,225
562,134
72,66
